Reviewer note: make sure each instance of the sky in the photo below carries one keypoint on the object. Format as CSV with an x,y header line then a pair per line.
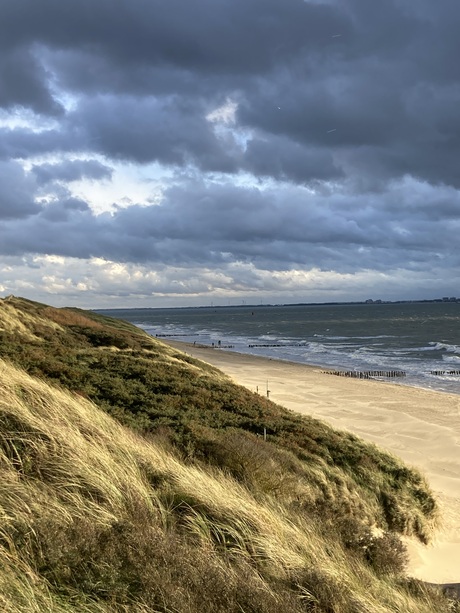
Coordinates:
x,y
160,153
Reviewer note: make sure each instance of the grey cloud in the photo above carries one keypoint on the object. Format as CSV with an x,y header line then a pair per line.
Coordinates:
x,y
17,192
25,143
24,83
71,170
283,159
212,225
64,211
170,130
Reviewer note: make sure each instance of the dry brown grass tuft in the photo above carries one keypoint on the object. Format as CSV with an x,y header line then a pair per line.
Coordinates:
x,y
67,317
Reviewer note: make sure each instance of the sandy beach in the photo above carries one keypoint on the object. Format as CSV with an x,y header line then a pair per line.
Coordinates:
x,y
420,426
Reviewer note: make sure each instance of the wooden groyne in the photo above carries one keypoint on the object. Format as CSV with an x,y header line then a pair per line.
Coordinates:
x,y
365,374
213,346
278,345
444,372
169,335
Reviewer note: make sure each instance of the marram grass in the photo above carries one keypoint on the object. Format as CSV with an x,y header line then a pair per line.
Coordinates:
x,y
96,518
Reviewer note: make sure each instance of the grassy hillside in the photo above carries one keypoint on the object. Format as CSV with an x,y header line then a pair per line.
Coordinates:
x,y
178,504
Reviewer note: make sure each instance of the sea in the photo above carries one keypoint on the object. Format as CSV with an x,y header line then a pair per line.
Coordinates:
x,y
421,339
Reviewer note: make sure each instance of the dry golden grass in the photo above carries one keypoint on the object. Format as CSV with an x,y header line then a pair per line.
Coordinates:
x,y
13,321
95,518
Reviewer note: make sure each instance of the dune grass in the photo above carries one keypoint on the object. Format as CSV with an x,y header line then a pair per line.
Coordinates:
x,y
178,504
95,516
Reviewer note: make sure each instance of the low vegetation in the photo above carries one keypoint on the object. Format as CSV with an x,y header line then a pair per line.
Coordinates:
x,y
135,478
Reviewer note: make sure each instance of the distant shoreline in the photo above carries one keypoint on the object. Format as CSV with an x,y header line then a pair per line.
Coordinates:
x,y
370,301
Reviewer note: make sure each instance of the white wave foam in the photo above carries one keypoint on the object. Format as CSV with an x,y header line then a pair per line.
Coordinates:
x,y
451,358
446,347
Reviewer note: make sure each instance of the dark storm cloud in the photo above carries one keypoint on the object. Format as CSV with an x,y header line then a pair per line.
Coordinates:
x,y
206,36
350,77
347,111
24,82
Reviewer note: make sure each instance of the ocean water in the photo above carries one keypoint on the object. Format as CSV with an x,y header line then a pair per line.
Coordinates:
x,y
417,338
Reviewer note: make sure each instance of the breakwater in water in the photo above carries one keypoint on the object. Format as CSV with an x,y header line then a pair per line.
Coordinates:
x,y
445,372
171,335
365,374
283,345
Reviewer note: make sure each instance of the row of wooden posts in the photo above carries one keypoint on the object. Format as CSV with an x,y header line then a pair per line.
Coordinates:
x,y
365,374
445,372
278,345
167,335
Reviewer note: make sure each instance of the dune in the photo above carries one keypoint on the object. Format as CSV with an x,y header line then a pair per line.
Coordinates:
x,y
420,426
